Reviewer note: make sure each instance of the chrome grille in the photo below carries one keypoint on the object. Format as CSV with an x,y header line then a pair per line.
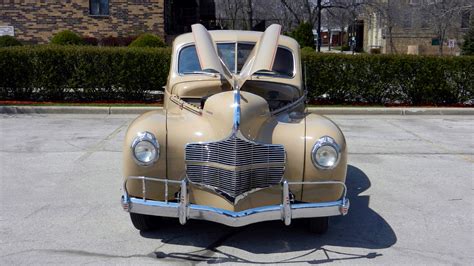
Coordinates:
x,y
234,165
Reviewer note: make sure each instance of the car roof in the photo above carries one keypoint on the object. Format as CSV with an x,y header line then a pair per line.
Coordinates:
x,y
235,36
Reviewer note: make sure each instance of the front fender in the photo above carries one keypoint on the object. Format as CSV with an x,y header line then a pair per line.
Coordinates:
x,y
316,127
155,123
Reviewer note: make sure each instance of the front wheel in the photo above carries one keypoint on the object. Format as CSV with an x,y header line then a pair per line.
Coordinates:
x,y
144,222
319,225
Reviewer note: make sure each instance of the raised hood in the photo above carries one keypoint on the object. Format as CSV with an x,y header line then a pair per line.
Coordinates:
x,y
262,56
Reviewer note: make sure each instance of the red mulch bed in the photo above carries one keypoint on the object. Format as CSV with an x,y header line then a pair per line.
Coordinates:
x,y
361,104
11,102
159,103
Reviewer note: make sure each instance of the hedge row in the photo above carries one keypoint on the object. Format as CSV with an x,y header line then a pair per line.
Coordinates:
x,y
98,73
389,79
81,73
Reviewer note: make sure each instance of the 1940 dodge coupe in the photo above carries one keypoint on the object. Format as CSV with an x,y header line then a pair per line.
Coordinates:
x,y
233,143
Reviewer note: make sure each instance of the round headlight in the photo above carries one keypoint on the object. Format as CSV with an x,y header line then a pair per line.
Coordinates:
x,y
325,153
145,148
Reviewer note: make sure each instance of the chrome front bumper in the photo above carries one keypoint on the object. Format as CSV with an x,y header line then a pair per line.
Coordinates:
x,y
286,211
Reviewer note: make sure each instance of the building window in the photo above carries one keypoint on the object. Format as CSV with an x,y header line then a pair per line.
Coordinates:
x,y
99,7
465,19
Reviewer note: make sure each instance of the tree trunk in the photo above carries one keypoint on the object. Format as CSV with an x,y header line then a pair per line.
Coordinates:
x,y
249,14
393,50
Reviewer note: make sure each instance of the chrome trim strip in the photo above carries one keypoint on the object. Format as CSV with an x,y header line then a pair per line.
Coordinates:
x,y
235,168
185,211
237,111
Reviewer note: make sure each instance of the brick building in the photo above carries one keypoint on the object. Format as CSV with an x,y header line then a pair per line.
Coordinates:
x,y
36,21
412,30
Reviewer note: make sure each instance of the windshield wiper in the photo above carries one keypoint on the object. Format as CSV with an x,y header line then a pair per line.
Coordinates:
x,y
270,74
202,73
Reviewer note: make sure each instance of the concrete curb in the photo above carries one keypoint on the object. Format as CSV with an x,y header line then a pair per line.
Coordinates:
x,y
107,110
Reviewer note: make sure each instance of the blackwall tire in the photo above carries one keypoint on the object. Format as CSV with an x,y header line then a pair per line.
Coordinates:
x,y
144,222
319,225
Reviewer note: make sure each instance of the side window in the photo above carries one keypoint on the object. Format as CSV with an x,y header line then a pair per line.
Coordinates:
x,y
188,61
99,7
283,64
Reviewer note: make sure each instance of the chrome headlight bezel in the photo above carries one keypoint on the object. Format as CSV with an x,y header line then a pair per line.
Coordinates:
x,y
325,141
148,137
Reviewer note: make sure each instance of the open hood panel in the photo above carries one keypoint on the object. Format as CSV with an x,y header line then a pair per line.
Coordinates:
x,y
262,56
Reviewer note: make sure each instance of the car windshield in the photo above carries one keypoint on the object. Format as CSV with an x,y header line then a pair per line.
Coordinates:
x,y
234,56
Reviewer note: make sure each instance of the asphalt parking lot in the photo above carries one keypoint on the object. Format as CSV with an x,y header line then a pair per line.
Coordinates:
x,y
410,184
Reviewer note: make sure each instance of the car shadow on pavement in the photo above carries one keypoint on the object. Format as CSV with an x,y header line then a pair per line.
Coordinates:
x,y
361,228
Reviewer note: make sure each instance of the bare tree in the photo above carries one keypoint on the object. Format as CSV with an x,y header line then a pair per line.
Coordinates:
x,y
311,10
443,15
229,13
273,11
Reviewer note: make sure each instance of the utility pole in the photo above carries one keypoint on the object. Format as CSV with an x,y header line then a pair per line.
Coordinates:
x,y
319,26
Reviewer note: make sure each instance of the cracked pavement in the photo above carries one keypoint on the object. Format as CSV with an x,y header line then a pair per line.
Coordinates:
x,y
410,181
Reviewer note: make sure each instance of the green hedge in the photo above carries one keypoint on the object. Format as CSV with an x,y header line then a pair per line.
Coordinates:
x,y
82,72
389,79
88,73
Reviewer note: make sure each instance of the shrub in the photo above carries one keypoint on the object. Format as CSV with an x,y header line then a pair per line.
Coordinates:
x,y
90,41
7,41
307,50
389,79
67,37
345,47
303,34
148,40
83,73
117,41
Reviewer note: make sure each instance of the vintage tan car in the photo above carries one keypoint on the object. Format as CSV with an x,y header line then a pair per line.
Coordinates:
x,y
233,143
